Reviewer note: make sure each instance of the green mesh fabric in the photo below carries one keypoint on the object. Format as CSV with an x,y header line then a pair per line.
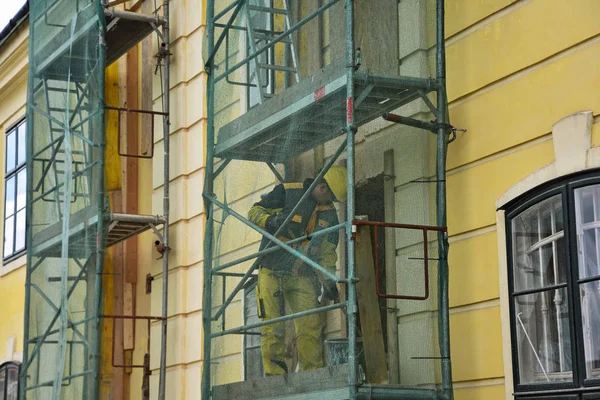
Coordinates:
x,y
65,162
281,117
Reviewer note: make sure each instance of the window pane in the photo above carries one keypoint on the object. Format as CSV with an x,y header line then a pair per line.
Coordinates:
x,y
22,144
543,337
11,151
538,246
9,236
12,383
20,231
587,221
10,197
263,21
590,315
586,200
21,189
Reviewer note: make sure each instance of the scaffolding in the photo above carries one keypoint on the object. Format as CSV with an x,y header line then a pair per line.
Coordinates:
x,y
69,223
288,113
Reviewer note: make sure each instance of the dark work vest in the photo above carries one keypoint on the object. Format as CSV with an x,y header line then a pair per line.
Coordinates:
x,y
308,218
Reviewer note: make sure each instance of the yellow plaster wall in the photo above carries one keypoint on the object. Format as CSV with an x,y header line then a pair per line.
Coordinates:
x,y
525,107
596,134
517,40
460,14
472,192
480,393
474,272
112,172
507,106
12,286
514,69
476,344
187,144
13,94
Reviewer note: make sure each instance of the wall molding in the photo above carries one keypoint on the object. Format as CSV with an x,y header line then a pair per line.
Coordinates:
x,y
11,354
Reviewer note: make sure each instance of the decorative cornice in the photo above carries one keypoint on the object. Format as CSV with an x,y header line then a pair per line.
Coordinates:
x,y
13,63
8,87
572,150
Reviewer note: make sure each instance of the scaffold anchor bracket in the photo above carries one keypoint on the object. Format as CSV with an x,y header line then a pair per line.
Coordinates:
x,y
161,248
157,232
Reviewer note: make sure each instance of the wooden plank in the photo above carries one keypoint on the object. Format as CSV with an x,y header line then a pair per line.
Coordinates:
x,y
378,41
310,40
130,181
368,308
389,194
128,309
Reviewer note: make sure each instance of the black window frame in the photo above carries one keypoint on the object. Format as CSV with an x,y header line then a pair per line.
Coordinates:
x,y
580,385
19,167
4,370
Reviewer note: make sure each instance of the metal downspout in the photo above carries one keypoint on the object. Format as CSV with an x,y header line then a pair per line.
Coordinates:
x,y
165,266
350,245
442,146
208,206
96,327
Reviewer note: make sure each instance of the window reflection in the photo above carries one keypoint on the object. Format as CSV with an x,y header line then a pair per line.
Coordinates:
x,y
15,198
541,314
587,220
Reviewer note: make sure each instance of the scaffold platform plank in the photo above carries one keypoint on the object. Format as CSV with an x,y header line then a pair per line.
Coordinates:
x,y
124,33
64,56
320,384
82,232
313,112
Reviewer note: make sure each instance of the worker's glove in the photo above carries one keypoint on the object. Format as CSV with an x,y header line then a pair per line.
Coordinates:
x,y
330,290
274,222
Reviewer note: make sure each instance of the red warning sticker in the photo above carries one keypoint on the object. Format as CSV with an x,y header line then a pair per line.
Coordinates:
x,y
319,93
349,110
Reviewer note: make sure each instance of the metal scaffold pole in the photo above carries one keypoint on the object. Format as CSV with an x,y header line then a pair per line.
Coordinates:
x,y
350,204
100,251
442,148
69,223
165,264
208,207
275,131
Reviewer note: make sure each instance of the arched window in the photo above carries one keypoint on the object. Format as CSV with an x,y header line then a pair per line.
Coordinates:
x,y
9,381
553,249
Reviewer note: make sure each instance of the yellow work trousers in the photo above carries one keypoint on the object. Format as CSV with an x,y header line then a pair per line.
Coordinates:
x,y
298,295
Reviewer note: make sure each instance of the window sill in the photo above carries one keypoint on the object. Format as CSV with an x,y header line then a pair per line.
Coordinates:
x,y
13,263
557,392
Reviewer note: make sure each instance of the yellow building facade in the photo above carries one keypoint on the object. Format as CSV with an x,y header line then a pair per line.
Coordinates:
x,y
515,69
522,79
13,95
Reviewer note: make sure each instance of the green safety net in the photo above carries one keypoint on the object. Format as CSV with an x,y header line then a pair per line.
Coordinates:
x,y
281,117
64,231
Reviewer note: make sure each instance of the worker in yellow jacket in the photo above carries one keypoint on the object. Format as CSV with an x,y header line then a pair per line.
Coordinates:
x,y
285,279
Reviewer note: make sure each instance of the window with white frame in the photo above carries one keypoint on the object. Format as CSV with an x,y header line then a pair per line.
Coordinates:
x,y
553,243
15,189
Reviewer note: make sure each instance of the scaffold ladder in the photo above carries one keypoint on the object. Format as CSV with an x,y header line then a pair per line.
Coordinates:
x,y
260,15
